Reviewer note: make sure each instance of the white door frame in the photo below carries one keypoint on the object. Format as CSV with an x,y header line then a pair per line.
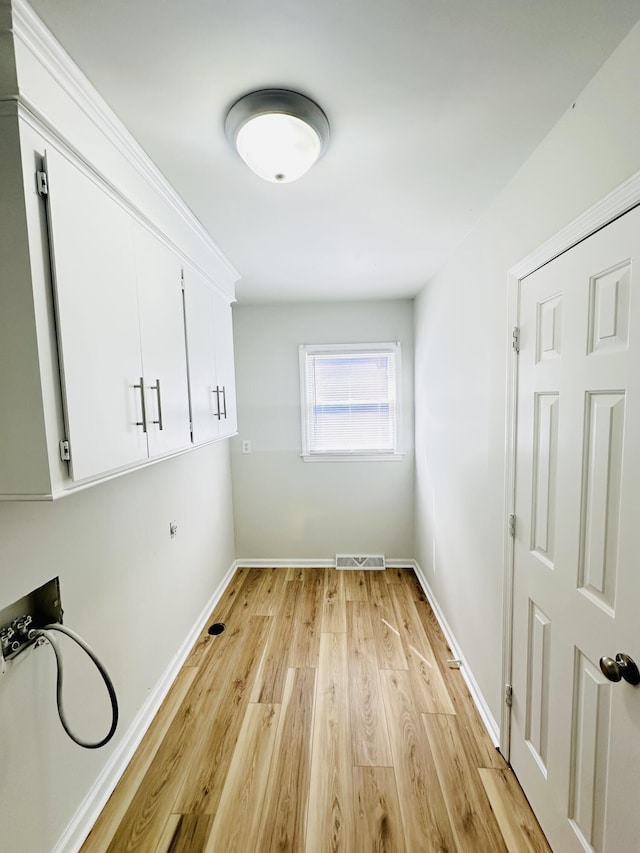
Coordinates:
x,y
615,204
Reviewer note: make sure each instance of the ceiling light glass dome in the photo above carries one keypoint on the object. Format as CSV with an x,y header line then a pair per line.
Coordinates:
x,y
278,133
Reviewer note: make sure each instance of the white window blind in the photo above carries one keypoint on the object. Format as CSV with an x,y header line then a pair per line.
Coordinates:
x,y
350,400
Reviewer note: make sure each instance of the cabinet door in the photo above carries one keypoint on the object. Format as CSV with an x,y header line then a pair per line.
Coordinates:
x,y
225,368
91,239
164,358
200,324
211,367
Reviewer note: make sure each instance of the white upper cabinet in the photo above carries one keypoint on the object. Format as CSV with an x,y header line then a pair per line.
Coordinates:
x,y
225,366
120,328
211,367
95,375
164,358
93,264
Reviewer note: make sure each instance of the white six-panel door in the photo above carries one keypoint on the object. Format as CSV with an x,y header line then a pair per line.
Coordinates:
x,y
575,743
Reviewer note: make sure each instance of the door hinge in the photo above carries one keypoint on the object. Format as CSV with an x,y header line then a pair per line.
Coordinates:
x,y
43,186
512,526
65,451
182,280
508,695
516,338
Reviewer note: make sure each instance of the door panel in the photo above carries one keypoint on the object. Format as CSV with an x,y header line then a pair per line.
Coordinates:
x,y
576,736
589,750
601,481
537,721
544,479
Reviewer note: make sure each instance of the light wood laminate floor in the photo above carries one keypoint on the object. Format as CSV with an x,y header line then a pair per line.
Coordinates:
x,y
324,718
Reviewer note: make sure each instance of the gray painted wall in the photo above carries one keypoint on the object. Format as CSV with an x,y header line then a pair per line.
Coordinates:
x,y
284,507
132,592
462,339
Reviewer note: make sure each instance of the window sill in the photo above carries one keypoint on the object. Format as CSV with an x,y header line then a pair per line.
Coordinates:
x,y
353,457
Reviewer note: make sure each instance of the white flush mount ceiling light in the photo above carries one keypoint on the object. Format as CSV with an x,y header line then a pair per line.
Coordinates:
x,y
278,133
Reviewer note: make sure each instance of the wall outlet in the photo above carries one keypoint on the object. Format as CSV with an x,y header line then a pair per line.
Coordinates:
x,y
246,446
173,529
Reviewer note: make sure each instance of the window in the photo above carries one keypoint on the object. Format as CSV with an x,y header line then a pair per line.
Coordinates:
x,y
350,401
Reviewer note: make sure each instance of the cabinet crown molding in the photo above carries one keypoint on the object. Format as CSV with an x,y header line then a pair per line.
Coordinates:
x,y
31,32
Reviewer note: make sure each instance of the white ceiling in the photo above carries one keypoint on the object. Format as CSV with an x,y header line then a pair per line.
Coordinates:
x,y
433,104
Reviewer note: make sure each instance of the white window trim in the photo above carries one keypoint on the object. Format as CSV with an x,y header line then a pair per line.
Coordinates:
x,y
351,456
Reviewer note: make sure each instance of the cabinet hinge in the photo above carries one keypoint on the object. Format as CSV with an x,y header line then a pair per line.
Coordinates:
x,y
508,695
43,186
65,451
512,526
516,338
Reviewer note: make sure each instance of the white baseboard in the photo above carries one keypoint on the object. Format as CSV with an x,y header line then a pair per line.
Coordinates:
x,y
400,563
325,563
80,825
486,716
272,563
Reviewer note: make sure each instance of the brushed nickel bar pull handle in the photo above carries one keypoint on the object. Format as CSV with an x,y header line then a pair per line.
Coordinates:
x,y
217,393
224,402
156,388
143,422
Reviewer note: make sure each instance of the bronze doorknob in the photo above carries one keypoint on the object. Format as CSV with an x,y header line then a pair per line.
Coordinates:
x,y
622,667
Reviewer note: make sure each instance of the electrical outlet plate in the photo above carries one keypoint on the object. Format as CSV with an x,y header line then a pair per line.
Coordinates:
x,y
44,605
